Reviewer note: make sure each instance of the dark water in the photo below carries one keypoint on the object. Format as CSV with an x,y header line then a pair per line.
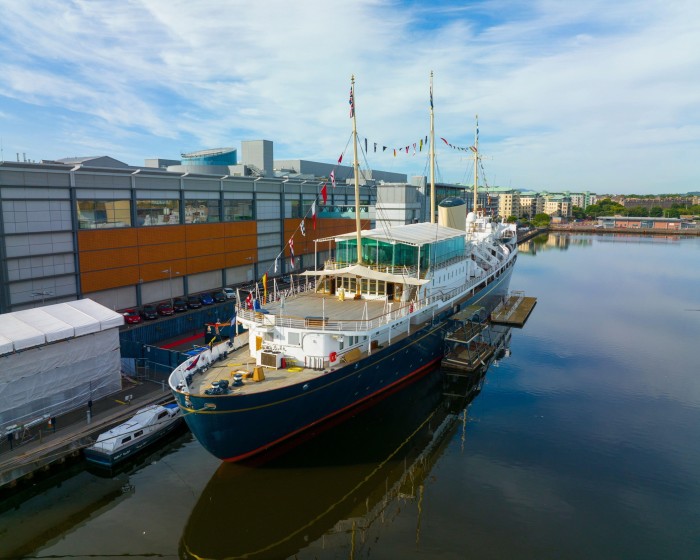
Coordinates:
x,y
581,441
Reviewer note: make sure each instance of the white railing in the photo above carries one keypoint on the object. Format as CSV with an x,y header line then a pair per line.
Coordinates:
x,y
399,270
415,307
320,324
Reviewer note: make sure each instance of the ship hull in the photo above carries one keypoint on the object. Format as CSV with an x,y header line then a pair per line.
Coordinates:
x,y
242,426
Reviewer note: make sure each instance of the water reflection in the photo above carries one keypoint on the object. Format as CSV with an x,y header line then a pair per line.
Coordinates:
x,y
33,517
338,484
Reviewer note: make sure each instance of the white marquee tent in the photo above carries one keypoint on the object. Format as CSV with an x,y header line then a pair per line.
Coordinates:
x,y
56,358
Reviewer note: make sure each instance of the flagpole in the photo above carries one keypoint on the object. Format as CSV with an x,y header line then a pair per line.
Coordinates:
x,y
432,154
355,170
476,163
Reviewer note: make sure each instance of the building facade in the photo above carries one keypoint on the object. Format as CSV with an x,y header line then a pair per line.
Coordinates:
x,y
124,236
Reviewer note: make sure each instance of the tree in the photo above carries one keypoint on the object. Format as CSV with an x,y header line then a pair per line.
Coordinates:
x,y
541,220
512,219
605,207
656,212
578,212
637,211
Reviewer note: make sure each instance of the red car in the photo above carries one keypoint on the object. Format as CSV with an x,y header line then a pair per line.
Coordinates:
x,y
131,317
164,309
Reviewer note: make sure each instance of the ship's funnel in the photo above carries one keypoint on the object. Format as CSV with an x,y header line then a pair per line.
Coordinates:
x,y
452,212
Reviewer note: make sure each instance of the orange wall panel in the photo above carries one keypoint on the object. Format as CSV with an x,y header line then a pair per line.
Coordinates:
x,y
205,231
205,263
160,234
108,258
165,252
240,228
204,247
105,279
154,271
240,258
241,243
90,240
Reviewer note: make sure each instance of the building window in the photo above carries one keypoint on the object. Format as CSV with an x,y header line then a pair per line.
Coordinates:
x,y
238,210
157,212
201,211
295,209
94,214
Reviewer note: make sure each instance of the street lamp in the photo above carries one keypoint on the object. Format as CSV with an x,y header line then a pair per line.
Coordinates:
x,y
170,282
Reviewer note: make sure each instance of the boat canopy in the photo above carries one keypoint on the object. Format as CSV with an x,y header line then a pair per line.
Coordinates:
x,y
355,270
409,234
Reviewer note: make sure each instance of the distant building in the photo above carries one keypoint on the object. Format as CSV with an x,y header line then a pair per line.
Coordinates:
x,y
626,222
655,202
531,204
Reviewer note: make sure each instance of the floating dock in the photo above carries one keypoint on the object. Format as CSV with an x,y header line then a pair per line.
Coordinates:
x,y
514,311
469,347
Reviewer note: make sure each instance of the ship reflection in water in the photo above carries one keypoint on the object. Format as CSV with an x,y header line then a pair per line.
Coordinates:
x,y
338,484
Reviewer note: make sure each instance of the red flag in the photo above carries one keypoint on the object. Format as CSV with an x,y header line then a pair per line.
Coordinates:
x,y
291,250
313,213
445,141
193,364
324,193
333,178
340,159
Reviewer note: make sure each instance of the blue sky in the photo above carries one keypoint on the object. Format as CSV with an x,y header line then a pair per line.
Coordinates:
x,y
597,95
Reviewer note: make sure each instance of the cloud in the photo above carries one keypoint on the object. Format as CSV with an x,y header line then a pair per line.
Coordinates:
x,y
569,96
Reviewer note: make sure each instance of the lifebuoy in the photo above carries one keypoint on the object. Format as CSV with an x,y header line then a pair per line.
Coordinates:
x,y
333,356
410,308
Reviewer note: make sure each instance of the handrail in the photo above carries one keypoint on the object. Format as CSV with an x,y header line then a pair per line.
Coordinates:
x,y
368,325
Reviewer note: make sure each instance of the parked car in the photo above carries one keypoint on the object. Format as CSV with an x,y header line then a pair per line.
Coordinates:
x,y
219,296
149,312
179,305
164,309
206,299
193,302
230,293
132,317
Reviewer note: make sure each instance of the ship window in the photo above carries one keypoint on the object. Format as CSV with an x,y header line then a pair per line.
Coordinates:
x,y
126,439
139,433
162,415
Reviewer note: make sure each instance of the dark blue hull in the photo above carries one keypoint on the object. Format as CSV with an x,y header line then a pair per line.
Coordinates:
x,y
244,425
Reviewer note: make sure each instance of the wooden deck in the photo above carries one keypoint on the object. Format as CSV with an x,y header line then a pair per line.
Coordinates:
x,y
314,304
514,312
468,358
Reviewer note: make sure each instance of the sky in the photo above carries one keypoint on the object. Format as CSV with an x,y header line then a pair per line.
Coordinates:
x,y
593,96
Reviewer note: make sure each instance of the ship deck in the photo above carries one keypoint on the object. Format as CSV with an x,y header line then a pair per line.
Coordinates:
x,y
239,361
317,304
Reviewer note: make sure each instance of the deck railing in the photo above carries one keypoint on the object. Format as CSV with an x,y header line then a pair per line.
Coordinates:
x,y
414,308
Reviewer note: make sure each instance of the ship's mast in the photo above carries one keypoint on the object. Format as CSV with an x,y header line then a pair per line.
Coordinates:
x,y
432,154
475,149
355,167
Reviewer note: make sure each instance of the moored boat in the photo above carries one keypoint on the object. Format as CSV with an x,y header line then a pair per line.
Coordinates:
x,y
371,320
147,426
